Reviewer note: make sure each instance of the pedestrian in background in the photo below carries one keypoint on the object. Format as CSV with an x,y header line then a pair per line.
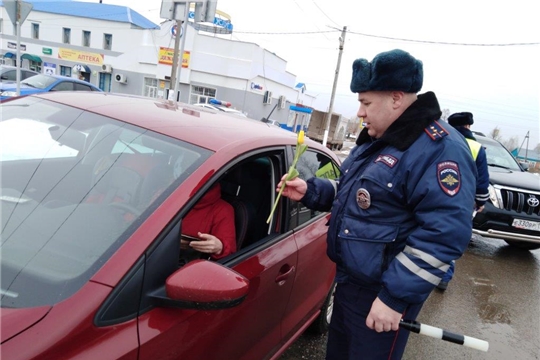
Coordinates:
x,y
400,212
462,122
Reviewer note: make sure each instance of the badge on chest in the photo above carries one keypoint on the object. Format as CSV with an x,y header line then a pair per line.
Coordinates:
x,y
363,198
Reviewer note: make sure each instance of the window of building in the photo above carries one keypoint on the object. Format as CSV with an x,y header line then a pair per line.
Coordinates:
x,y
150,87
65,70
1,25
35,31
66,35
201,95
86,38
107,41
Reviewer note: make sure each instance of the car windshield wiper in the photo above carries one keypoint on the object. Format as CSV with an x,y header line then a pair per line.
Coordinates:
x,y
28,84
499,166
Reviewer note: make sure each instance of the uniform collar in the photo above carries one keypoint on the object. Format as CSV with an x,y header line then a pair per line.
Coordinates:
x,y
410,125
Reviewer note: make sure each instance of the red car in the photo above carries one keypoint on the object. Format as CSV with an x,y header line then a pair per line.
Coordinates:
x,y
94,187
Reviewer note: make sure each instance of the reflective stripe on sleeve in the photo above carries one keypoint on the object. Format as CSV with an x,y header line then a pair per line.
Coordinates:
x,y
430,259
417,270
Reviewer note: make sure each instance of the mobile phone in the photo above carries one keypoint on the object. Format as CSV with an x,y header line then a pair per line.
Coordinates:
x,y
189,238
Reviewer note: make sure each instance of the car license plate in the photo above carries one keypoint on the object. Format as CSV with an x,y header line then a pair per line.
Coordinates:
x,y
526,224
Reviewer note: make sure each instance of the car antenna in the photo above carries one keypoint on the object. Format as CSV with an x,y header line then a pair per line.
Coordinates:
x,y
265,119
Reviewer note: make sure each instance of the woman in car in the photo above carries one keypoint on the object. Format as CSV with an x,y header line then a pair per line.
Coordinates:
x,y
209,227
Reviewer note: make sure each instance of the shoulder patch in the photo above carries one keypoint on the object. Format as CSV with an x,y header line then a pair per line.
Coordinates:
x,y
435,131
449,177
388,160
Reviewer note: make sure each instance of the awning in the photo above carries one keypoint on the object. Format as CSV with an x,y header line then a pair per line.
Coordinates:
x,y
301,109
9,55
31,57
81,68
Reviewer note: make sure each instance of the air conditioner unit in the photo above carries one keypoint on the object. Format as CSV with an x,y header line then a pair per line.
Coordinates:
x,y
282,101
106,68
121,78
267,97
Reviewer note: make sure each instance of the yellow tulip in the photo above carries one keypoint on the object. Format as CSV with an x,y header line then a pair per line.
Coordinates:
x,y
301,137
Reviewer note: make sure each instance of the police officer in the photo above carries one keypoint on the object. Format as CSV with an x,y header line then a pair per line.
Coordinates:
x,y
400,212
462,122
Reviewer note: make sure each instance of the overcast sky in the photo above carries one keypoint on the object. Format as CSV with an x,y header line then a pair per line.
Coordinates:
x,y
479,56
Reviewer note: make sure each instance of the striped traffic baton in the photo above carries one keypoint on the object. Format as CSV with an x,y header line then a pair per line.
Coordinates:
x,y
442,334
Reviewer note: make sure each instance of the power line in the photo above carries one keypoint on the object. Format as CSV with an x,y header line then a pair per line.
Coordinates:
x,y
388,38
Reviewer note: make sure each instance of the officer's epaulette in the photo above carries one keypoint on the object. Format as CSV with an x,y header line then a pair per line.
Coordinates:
x,y
435,131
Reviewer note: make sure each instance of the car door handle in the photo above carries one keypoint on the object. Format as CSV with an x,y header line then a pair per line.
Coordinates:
x,y
280,279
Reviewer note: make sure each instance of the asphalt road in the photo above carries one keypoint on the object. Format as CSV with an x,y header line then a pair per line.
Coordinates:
x,y
494,296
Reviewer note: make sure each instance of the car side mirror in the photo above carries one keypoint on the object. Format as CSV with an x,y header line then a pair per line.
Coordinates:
x,y
524,165
203,285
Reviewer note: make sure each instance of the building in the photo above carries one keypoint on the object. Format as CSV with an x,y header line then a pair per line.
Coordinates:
x,y
119,50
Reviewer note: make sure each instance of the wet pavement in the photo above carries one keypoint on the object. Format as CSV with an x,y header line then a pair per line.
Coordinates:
x,y
494,296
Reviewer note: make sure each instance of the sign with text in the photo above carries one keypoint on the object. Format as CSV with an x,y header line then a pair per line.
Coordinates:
x,y
80,56
166,57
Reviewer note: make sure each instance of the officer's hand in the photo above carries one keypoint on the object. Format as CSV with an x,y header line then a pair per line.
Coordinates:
x,y
295,189
382,318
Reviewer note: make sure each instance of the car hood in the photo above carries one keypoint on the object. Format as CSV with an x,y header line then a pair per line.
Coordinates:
x,y
15,321
517,179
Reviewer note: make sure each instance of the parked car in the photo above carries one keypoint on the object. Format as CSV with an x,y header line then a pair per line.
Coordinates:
x,y
44,83
221,108
513,212
94,188
9,73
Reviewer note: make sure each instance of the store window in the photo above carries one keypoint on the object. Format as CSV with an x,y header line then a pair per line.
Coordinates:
x,y
86,38
150,87
201,95
35,31
107,41
66,35
65,70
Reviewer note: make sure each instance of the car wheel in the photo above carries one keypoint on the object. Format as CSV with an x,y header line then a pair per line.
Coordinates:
x,y
523,244
321,323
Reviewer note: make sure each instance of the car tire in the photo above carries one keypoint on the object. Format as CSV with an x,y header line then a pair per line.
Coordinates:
x,y
523,245
321,323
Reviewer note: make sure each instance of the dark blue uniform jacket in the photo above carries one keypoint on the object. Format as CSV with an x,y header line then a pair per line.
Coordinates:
x,y
401,211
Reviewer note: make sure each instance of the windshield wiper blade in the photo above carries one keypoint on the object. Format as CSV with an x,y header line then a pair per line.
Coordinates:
x,y
499,166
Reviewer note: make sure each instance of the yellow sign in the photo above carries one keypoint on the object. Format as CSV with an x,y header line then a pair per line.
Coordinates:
x,y
80,56
166,57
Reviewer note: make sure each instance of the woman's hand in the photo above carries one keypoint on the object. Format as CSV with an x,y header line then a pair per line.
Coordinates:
x,y
209,244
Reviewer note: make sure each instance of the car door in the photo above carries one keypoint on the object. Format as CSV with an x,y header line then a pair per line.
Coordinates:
x,y
250,330
315,272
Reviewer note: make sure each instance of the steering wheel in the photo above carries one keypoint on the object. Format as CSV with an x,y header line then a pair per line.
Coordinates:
x,y
126,208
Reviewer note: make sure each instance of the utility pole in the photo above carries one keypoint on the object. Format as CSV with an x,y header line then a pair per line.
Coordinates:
x,y
331,107
175,54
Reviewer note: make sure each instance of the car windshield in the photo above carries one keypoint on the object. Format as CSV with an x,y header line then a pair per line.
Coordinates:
x,y
74,187
497,155
39,81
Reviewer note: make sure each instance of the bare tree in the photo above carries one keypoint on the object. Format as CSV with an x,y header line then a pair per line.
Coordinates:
x,y
510,144
445,114
496,134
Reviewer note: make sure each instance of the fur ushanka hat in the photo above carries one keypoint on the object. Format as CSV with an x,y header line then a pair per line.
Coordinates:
x,y
461,119
394,70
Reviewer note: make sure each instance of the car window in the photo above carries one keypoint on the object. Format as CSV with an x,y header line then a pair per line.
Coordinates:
x,y
311,164
40,81
63,86
10,75
497,155
82,87
26,74
72,200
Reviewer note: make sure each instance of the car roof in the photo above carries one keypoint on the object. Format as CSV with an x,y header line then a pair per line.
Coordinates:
x,y
179,120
